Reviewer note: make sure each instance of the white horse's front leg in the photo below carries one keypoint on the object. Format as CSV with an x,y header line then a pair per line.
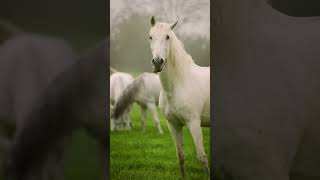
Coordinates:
x,y
176,133
153,109
143,117
112,123
196,132
127,119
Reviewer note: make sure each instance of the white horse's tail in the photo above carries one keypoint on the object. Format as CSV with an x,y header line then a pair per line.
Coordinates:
x,y
127,97
112,70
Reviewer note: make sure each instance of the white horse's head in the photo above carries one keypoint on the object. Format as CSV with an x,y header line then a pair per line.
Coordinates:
x,y
160,43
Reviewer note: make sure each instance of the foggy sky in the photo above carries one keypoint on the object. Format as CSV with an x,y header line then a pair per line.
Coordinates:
x,y
193,15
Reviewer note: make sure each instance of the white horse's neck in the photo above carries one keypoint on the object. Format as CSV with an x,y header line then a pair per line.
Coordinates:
x,y
177,66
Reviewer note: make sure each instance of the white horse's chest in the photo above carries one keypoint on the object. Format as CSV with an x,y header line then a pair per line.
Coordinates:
x,y
171,111
178,106
182,102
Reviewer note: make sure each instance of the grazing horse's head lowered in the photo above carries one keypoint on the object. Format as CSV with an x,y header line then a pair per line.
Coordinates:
x,y
160,43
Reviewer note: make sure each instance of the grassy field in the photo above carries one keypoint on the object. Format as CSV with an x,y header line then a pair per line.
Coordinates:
x,y
149,155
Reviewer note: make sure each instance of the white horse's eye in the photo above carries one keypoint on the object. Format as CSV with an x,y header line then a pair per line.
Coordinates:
x,y
150,37
167,37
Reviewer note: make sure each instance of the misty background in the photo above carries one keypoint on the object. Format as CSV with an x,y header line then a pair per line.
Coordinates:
x,y
130,25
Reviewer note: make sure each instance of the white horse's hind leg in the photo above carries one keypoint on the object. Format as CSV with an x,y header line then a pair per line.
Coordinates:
x,y
176,133
196,132
143,117
153,109
128,120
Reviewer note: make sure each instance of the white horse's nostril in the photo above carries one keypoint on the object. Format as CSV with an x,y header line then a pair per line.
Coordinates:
x,y
157,61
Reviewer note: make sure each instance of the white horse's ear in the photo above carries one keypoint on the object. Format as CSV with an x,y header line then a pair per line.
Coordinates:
x,y
153,22
174,24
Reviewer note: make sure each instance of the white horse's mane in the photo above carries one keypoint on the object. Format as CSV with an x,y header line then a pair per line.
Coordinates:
x,y
179,59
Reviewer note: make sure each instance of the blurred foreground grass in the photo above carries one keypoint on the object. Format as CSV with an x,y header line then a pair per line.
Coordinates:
x,y
82,158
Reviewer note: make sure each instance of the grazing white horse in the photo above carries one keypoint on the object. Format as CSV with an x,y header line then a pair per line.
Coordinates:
x,y
118,82
185,94
145,91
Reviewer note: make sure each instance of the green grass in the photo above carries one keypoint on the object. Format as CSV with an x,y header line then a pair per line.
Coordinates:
x,y
149,155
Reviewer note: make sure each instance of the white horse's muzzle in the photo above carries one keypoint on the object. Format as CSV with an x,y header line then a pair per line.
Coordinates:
x,y
158,64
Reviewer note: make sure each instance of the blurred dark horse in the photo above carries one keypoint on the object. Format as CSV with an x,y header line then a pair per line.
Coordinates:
x,y
45,93
266,90
28,62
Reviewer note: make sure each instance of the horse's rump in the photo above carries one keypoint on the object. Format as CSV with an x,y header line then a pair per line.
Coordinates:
x,y
118,82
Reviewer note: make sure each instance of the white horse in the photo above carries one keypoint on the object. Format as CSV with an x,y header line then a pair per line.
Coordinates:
x,y
118,82
185,94
145,91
